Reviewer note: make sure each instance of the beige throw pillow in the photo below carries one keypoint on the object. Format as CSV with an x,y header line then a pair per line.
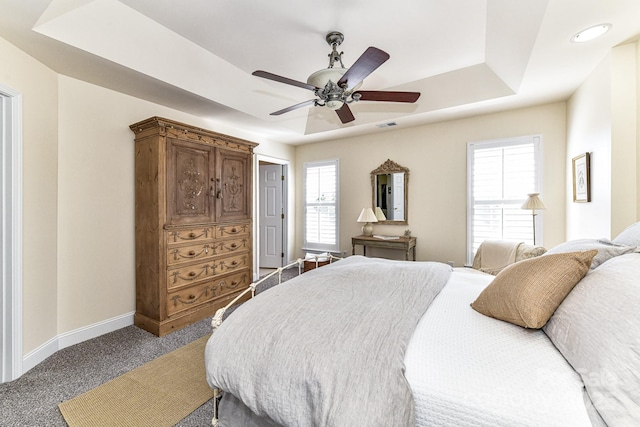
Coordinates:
x,y
528,292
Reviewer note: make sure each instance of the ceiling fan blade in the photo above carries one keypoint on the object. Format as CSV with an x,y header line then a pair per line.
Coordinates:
x,y
388,96
345,114
371,59
294,107
280,79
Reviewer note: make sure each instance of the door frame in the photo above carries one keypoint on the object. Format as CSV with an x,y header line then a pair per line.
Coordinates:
x,y
11,147
288,218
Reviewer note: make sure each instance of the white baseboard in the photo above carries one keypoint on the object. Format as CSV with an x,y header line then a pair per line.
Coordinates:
x,y
77,336
36,356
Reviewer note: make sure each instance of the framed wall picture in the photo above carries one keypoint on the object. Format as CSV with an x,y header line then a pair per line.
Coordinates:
x,y
581,179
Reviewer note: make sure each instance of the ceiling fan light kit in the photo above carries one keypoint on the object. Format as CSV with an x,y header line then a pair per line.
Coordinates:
x,y
335,88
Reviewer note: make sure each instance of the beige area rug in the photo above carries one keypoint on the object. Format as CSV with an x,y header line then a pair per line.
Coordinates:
x,y
158,393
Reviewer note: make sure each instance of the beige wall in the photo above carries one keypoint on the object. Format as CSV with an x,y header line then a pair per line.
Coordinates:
x,y
602,118
96,263
589,130
96,246
38,86
624,107
637,81
436,157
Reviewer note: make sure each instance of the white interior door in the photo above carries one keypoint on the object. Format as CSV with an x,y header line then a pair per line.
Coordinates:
x,y
3,283
398,196
10,234
271,216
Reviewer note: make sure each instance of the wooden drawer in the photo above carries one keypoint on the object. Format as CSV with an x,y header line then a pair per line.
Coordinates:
x,y
190,273
193,296
191,234
233,230
230,246
233,263
195,252
312,265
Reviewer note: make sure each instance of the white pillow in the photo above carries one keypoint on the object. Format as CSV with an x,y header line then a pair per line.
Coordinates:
x,y
606,249
629,236
596,330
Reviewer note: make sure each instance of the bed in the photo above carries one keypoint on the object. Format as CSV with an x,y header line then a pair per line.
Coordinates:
x,y
373,342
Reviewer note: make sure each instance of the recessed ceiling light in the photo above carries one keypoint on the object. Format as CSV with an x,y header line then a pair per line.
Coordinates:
x,y
590,33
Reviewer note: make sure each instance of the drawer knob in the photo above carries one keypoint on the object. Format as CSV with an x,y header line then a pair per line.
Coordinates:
x,y
192,253
233,245
192,296
234,263
192,235
192,273
233,230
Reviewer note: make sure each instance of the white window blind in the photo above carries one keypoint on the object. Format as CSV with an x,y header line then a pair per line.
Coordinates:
x,y
321,208
500,174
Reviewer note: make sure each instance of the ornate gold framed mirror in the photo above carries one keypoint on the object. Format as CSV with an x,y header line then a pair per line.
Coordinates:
x,y
390,190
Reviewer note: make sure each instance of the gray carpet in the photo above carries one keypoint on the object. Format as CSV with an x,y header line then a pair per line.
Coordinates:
x,y
32,400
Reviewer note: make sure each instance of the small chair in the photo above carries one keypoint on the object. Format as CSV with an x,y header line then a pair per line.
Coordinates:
x,y
494,255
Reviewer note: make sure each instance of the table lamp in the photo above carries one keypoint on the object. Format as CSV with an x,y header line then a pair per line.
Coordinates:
x,y
367,216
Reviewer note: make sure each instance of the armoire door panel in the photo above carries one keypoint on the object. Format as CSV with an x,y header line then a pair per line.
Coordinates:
x,y
234,173
190,185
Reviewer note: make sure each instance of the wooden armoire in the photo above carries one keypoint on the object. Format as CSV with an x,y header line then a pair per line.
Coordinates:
x,y
193,222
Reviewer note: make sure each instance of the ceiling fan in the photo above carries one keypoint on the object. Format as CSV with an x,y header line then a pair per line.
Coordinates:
x,y
336,88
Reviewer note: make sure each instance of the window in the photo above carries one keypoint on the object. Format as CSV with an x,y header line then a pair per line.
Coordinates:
x,y
321,209
500,174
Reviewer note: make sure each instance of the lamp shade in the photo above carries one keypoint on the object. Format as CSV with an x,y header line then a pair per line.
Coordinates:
x,y
533,202
380,215
367,215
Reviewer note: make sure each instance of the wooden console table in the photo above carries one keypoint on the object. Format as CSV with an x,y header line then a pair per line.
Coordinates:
x,y
407,244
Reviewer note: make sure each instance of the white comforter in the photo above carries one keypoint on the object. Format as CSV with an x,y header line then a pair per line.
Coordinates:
x,y
466,369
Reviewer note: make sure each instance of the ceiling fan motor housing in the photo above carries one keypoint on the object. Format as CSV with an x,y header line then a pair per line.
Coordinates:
x,y
326,81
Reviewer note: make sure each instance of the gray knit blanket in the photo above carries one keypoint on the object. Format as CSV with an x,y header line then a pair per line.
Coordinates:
x,y
327,348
